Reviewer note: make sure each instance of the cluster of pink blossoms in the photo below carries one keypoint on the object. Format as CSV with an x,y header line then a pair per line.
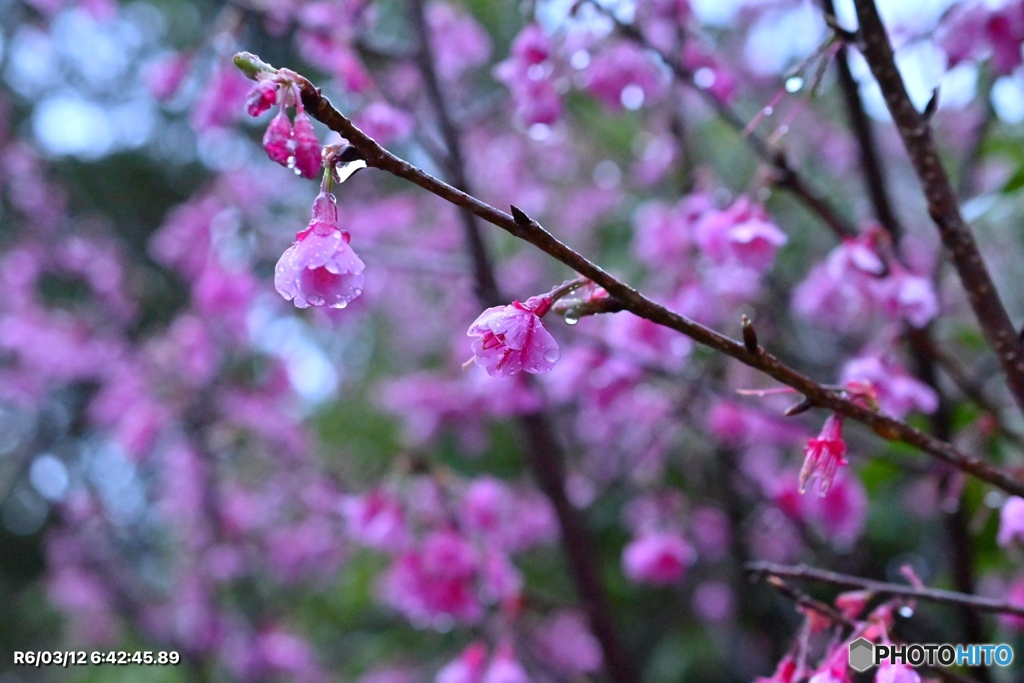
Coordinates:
x,y
291,143
856,285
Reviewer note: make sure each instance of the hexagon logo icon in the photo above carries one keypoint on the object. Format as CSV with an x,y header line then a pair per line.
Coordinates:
x,y
862,654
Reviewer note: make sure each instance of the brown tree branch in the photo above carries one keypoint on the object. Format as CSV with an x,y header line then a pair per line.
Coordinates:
x,y
883,588
943,206
807,602
523,227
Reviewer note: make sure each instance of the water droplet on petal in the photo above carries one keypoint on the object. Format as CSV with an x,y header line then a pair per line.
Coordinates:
x,y
571,319
794,84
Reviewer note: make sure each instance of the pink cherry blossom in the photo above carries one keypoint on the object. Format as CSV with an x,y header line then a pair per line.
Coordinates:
x,y
962,33
741,235
565,643
624,76
436,582
511,339
1011,521
384,123
261,97
377,520
165,76
460,43
529,74
898,392
824,455
658,557
277,140
320,269
307,158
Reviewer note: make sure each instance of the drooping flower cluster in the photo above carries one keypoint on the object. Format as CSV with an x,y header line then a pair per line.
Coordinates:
x,y
290,142
320,268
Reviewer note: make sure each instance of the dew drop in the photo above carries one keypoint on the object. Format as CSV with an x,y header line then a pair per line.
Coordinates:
x,y
344,171
768,111
794,84
571,319
906,611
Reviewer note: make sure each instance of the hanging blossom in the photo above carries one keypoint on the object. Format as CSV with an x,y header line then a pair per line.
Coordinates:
x,y
289,142
320,268
824,455
512,338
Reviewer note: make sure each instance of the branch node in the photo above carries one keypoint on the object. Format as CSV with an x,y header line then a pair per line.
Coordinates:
x,y
750,336
845,35
521,218
797,408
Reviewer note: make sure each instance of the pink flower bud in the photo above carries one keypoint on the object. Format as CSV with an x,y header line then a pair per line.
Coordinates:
x,y
278,139
262,96
307,148
512,338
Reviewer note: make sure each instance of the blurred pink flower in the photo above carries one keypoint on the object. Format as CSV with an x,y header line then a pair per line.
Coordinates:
x,y
657,557
740,235
436,582
460,43
529,75
376,519
565,643
896,673
898,392
1011,521
624,76
467,668
505,668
